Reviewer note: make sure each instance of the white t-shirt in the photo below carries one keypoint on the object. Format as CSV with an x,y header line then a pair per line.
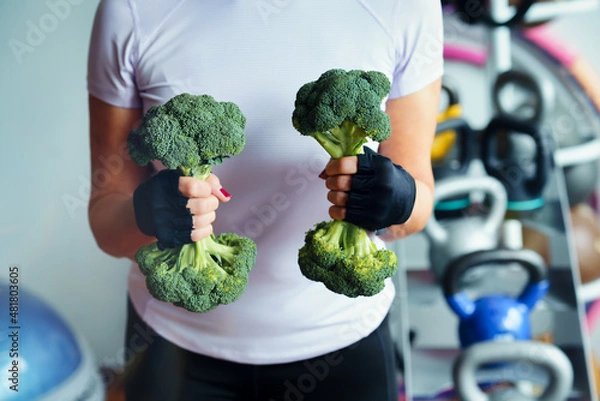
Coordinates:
x,y
257,54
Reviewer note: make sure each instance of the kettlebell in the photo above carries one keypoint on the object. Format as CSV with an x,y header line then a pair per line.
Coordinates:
x,y
458,159
535,99
451,238
495,316
517,153
455,164
547,356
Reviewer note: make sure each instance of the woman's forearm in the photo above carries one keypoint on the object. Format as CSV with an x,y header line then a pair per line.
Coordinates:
x,y
418,219
112,221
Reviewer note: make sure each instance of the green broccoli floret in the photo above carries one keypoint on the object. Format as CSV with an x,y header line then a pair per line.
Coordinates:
x,y
199,276
189,132
344,258
342,110
193,133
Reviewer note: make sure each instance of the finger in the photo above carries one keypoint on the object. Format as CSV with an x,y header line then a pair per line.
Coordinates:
x,y
202,220
338,198
213,180
194,188
216,188
343,165
201,233
337,212
339,183
199,206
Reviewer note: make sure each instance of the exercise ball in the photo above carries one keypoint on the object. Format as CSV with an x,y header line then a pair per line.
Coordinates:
x,y
586,239
43,358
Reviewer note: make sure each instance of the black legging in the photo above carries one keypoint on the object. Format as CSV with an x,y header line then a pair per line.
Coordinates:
x,y
158,370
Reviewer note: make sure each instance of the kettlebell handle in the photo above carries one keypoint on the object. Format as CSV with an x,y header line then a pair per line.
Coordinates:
x,y
542,90
533,185
456,186
531,261
548,356
466,138
451,93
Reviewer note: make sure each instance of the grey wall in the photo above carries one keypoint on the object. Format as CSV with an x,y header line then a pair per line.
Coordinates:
x,y
44,159
44,162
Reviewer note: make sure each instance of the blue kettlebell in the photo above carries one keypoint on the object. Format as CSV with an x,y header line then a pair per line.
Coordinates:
x,y
495,316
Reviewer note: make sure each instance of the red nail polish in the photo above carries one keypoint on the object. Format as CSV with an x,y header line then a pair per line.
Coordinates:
x,y
323,175
225,193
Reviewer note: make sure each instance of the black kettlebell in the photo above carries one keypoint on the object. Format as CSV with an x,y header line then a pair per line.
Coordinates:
x,y
547,356
535,100
495,316
518,154
458,160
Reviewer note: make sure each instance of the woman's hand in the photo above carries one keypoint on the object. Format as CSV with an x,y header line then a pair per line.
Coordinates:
x,y
338,179
204,198
177,210
370,191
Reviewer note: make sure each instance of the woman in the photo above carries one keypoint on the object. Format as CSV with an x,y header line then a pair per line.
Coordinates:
x,y
286,338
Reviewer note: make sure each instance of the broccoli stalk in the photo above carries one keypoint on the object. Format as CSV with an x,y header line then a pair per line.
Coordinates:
x,y
342,111
200,172
347,139
192,133
351,238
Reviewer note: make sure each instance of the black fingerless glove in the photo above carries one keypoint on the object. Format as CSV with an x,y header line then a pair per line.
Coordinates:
x,y
161,211
382,193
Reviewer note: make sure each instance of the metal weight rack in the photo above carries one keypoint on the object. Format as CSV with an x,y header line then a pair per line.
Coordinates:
x,y
425,328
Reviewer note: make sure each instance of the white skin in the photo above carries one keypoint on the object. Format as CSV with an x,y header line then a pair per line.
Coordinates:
x,y
110,211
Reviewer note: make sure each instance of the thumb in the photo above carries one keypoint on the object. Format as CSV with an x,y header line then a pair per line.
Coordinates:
x,y
216,188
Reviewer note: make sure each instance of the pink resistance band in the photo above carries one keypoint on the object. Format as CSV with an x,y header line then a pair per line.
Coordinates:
x,y
470,56
540,35
543,37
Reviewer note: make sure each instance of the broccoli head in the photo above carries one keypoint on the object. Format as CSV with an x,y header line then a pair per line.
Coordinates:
x,y
342,109
344,258
193,133
199,276
189,132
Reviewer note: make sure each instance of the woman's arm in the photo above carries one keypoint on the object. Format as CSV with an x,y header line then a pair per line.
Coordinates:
x,y
115,178
413,119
